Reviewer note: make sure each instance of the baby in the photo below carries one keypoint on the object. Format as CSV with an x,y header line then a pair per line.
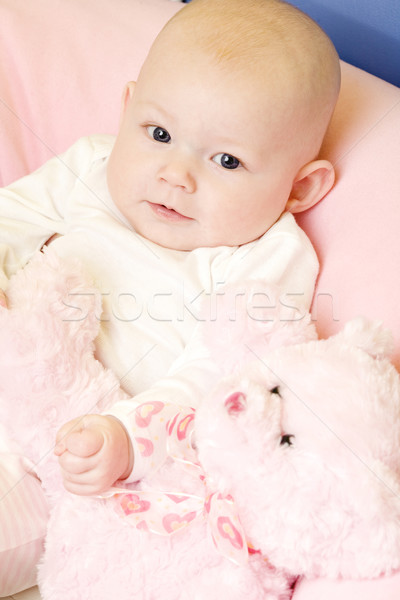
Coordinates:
x,y
217,149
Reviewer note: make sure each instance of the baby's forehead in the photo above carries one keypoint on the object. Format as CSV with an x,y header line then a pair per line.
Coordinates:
x,y
281,58
251,65
286,47
233,46
243,29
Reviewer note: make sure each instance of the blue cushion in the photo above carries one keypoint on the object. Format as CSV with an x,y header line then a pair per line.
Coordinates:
x,y
366,33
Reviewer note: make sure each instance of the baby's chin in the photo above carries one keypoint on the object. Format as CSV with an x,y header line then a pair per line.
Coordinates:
x,y
187,239
191,245
170,242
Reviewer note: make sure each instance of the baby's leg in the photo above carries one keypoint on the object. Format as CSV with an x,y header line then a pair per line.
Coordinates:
x,y
23,521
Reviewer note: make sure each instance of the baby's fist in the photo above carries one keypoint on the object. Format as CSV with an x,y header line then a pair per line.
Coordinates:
x,y
94,451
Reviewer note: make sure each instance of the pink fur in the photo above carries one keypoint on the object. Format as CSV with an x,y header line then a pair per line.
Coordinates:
x,y
245,321
48,373
325,503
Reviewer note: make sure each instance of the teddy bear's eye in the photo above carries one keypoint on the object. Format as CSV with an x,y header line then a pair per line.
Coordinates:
x,y
275,390
287,439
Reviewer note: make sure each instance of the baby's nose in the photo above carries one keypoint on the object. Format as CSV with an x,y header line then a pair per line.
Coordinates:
x,y
178,173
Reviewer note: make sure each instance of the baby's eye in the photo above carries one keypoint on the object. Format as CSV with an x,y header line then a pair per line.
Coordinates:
x,y
159,134
227,161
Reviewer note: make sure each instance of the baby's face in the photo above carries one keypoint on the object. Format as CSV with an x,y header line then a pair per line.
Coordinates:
x,y
198,160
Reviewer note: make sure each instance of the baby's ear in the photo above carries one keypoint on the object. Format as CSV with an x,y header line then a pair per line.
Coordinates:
x,y
310,185
127,95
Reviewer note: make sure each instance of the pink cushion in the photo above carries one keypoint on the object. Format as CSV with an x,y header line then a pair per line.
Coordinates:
x,y
62,71
355,229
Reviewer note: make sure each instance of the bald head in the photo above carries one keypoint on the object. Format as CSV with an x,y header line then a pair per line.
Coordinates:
x,y
273,47
246,28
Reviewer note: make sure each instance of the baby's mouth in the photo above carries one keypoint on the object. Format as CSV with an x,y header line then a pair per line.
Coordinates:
x,y
164,212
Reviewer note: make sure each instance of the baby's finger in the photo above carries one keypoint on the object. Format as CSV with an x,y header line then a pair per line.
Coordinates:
x,y
84,443
85,483
60,448
74,425
72,465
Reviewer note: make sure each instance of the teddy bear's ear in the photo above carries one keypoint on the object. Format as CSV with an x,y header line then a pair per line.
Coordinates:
x,y
240,322
369,336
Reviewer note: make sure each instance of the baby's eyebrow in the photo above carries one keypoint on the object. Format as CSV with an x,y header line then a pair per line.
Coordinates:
x,y
152,105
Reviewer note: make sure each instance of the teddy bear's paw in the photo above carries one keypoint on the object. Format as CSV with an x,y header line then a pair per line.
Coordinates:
x,y
57,286
48,372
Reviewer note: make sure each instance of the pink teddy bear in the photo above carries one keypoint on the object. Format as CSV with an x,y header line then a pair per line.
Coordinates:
x,y
289,468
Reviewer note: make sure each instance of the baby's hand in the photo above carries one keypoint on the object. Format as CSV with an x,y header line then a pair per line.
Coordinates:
x,y
94,452
3,299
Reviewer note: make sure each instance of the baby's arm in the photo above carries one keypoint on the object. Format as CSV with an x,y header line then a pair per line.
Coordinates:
x,y
33,208
95,451
130,441
146,416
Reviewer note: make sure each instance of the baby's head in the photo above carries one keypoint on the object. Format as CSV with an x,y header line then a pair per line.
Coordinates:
x,y
221,132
